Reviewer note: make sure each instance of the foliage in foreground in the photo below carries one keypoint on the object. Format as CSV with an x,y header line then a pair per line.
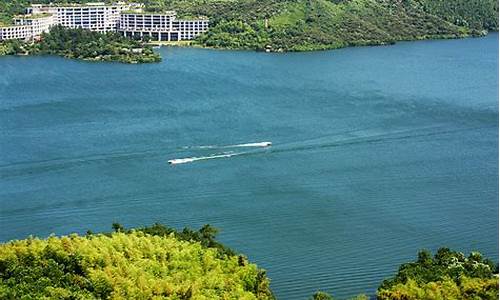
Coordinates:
x,y
84,44
205,235
447,275
159,262
325,296
125,265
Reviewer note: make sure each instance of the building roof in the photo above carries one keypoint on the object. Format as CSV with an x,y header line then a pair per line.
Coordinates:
x,y
88,4
33,16
140,12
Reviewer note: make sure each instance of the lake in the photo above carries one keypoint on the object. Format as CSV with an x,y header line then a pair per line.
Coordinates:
x,y
377,152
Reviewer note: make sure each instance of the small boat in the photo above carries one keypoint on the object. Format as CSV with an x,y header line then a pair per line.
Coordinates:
x,y
260,144
181,160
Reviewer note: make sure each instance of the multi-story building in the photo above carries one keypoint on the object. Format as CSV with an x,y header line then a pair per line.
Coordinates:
x,y
190,29
126,18
27,27
39,22
16,32
160,26
93,16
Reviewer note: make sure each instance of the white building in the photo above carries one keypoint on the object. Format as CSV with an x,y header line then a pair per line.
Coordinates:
x,y
160,26
17,32
27,27
190,29
93,16
126,18
39,22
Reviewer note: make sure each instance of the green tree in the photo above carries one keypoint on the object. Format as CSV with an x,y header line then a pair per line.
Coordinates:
x,y
447,275
128,264
321,296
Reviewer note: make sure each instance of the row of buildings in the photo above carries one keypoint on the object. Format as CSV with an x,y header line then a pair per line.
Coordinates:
x,y
129,19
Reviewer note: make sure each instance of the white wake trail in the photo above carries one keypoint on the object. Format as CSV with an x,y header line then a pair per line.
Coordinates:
x,y
186,160
246,145
259,144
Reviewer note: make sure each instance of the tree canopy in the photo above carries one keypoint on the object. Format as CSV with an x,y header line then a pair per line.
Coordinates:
x,y
160,262
127,264
446,275
84,44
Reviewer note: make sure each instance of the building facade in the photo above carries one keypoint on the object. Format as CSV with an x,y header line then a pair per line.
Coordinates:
x,y
160,27
27,27
190,29
92,16
126,18
38,22
16,32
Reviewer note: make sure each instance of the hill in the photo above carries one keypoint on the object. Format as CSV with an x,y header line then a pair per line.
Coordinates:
x,y
300,25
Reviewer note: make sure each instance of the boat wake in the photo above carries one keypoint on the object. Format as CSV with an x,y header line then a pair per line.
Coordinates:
x,y
246,145
228,154
341,139
186,160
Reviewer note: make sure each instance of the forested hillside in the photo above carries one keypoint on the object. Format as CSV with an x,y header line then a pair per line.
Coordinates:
x,y
299,25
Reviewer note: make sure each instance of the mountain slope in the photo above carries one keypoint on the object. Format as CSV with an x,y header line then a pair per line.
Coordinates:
x,y
296,25
299,25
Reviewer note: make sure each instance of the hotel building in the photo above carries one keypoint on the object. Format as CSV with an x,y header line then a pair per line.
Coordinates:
x,y
160,27
15,33
93,16
126,18
27,27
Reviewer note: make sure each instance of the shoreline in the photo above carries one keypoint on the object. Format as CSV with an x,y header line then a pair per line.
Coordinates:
x,y
195,45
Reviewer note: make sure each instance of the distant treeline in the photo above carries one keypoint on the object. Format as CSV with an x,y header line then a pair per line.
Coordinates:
x,y
159,262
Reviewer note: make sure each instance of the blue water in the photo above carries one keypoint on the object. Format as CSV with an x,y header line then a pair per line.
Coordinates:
x,y
377,152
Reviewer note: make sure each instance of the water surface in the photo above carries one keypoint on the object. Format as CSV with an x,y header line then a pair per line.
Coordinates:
x,y
377,152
